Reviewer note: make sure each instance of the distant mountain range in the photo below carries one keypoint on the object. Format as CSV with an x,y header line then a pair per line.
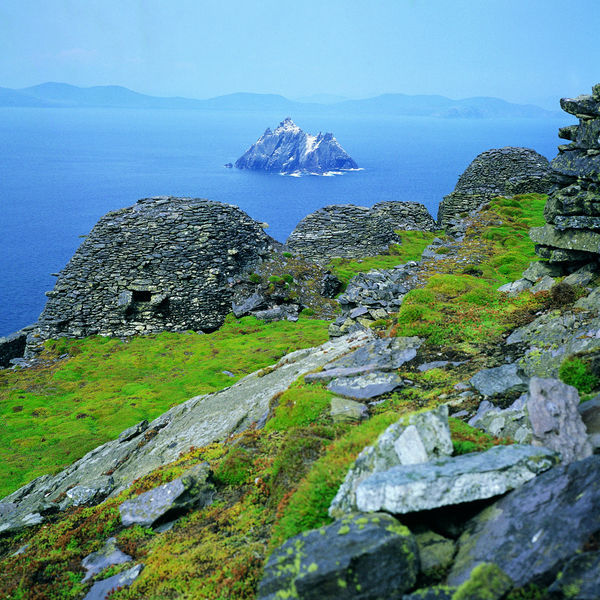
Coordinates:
x,y
63,95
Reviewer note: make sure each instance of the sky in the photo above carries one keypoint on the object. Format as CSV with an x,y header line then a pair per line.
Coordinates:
x,y
532,51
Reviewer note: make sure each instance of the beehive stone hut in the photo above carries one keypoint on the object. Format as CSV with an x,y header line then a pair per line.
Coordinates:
x,y
163,264
571,236
497,172
350,231
345,231
407,216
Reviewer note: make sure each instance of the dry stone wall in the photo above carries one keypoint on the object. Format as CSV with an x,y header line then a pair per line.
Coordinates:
x,y
350,231
572,234
408,216
163,264
497,172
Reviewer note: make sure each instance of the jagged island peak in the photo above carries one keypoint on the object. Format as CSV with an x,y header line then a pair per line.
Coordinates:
x,y
289,150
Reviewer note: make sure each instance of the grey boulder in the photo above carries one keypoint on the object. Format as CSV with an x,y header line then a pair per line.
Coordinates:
x,y
190,490
555,420
452,480
348,411
365,387
419,438
590,415
512,422
499,380
344,560
533,530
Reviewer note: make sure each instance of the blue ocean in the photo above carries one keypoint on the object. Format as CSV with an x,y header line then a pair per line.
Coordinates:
x,y
62,169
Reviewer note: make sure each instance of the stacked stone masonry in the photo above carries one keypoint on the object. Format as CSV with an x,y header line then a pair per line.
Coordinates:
x,y
349,231
497,172
163,264
572,233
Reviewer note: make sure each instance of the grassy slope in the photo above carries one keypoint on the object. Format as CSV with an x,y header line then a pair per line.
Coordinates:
x,y
411,248
280,480
52,415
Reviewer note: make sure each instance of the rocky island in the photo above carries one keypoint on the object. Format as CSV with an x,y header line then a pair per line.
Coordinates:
x,y
289,150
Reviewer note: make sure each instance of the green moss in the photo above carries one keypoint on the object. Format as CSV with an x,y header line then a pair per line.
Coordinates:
x,y
300,405
235,468
467,439
255,278
578,373
486,582
308,505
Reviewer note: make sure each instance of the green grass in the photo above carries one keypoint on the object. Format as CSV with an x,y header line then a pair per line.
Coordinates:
x,y
411,248
51,416
455,307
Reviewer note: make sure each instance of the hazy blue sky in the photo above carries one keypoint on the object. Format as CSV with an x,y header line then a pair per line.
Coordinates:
x,y
521,50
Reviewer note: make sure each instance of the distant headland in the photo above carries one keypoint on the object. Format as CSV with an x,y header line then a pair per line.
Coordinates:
x,y
63,95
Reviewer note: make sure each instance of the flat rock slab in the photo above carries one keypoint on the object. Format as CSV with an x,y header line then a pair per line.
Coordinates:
x,y
452,480
381,354
107,556
344,560
499,380
189,490
365,387
533,530
101,589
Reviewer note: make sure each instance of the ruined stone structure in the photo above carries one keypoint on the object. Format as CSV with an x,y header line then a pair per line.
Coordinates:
x,y
497,172
408,216
345,230
572,234
162,264
350,231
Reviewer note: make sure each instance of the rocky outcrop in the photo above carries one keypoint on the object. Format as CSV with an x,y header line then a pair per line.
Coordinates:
x,y
344,560
373,295
572,233
415,440
102,589
288,149
345,231
497,172
163,264
407,216
555,421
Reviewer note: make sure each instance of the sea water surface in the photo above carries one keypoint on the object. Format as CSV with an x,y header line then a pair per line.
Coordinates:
x,y
62,169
